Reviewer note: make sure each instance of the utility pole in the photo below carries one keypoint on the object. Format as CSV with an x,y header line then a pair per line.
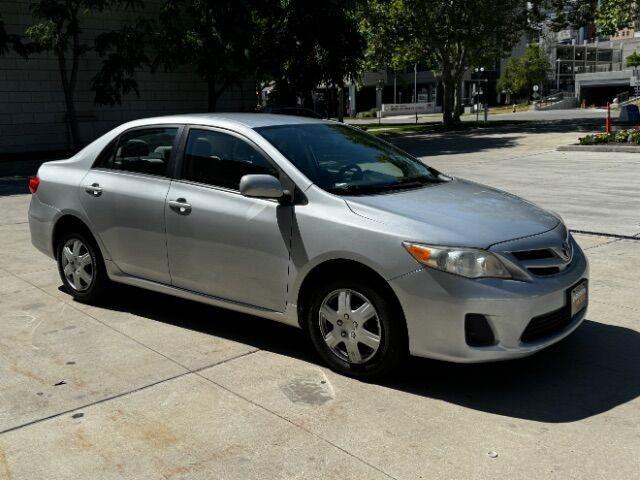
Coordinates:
x,y
415,83
415,88
395,77
340,104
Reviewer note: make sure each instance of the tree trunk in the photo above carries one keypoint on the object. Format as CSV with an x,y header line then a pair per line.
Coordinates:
x,y
448,99
71,116
341,104
212,96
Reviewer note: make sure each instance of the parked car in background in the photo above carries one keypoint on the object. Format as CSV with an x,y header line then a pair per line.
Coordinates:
x,y
295,111
315,224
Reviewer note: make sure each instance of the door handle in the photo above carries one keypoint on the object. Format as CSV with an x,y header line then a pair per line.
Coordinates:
x,y
180,206
94,189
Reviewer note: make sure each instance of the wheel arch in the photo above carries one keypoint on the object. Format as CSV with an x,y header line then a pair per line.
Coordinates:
x,y
66,223
341,266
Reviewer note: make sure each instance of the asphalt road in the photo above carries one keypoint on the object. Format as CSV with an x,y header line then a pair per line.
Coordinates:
x,y
153,387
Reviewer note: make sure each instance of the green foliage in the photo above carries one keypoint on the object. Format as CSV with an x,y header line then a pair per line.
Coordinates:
x,y
633,60
561,14
621,136
522,73
613,15
295,43
387,45
57,28
307,44
123,53
217,37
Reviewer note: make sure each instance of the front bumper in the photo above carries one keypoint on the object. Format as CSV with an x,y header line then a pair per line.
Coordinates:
x,y
435,305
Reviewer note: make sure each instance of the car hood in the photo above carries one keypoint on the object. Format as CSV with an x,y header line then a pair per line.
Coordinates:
x,y
458,212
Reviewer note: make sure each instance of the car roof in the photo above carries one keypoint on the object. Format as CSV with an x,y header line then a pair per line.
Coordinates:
x,y
250,120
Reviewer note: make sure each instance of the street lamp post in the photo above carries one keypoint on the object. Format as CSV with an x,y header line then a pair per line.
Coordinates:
x,y
379,90
558,75
479,72
415,88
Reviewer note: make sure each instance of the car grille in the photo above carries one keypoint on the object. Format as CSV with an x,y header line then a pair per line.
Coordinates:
x,y
542,262
539,254
547,325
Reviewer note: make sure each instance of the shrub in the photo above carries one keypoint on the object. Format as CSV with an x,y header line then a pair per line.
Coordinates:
x,y
621,136
371,113
586,140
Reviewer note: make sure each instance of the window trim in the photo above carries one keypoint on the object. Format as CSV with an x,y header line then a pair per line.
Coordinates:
x,y
170,163
178,173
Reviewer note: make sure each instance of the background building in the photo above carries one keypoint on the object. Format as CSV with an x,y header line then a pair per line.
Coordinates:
x,y
32,110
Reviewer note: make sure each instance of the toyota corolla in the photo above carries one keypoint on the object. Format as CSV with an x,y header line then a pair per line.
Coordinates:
x,y
315,224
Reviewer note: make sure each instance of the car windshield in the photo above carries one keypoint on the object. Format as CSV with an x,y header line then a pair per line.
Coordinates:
x,y
347,161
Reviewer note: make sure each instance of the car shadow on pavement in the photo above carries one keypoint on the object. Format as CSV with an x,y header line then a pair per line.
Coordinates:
x,y
592,371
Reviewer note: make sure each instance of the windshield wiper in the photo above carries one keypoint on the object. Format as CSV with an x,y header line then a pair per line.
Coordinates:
x,y
408,183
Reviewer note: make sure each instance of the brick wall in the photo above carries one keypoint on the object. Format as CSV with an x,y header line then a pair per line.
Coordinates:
x,y
32,103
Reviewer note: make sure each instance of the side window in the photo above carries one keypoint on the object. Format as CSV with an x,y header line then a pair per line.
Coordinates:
x,y
222,160
145,150
105,158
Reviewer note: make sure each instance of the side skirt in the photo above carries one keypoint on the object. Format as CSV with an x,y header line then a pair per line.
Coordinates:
x,y
116,275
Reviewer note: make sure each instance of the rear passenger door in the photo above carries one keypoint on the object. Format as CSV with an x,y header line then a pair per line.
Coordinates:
x,y
124,195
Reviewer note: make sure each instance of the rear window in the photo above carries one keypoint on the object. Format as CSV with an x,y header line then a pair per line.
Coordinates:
x,y
143,150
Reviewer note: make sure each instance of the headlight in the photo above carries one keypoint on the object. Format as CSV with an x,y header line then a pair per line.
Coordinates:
x,y
467,262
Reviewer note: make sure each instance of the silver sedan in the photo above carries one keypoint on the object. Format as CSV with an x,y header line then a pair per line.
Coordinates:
x,y
317,225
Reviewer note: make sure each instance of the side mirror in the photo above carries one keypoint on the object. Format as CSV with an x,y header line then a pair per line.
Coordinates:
x,y
261,186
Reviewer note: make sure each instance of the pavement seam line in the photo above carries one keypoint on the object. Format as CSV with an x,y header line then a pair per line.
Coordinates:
x,y
188,372
291,422
610,235
71,305
124,394
616,305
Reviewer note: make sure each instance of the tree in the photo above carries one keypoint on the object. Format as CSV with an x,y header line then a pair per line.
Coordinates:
x,y
218,37
297,44
57,29
221,39
633,60
613,15
561,14
308,44
522,73
454,35
4,38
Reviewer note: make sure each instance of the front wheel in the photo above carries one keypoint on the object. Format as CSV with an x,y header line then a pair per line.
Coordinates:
x,y
357,329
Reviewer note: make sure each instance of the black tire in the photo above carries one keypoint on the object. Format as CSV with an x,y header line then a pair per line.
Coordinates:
x,y
393,348
99,284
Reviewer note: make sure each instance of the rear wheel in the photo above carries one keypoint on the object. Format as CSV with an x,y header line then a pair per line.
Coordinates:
x,y
356,328
81,267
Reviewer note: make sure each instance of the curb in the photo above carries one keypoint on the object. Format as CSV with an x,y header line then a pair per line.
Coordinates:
x,y
599,148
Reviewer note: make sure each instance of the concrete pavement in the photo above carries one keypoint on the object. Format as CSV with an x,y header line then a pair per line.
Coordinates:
x,y
595,192
149,386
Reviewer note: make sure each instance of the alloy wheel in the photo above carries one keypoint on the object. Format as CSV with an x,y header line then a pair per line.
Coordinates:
x,y
77,265
350,326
